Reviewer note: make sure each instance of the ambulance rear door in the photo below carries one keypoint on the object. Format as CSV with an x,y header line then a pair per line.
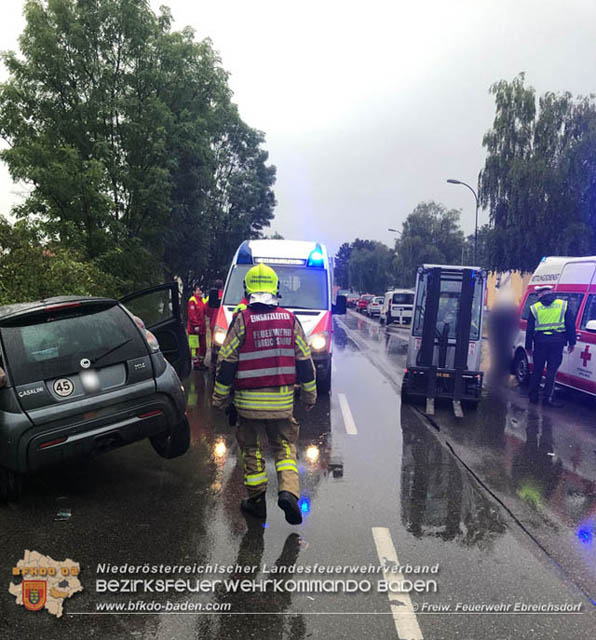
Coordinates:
x,y
577,369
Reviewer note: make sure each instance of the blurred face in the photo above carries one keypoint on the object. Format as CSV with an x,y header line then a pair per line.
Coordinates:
x,y
198,292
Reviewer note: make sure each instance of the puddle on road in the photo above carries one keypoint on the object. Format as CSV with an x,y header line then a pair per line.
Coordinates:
x,y
438,498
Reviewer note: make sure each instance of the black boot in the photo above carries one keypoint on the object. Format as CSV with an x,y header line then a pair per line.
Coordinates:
x,y
256,506
289,503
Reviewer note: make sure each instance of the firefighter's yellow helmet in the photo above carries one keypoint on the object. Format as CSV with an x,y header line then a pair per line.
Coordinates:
x,y
261,279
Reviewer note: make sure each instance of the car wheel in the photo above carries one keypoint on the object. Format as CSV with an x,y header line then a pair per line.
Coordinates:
x,y
11,485
324,384
405,396
521,367
173,443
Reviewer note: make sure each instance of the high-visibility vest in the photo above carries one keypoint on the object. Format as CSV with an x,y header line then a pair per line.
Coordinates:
x,y
551,318
267,357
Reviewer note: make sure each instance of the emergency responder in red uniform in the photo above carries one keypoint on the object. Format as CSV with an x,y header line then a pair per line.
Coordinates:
x,y
264,354
551,326
196,328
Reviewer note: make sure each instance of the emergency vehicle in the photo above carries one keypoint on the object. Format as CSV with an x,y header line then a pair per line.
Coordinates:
x,y
574,280
305,286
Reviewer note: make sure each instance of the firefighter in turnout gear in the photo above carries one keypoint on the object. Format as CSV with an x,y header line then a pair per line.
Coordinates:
x,y
550,327
264,354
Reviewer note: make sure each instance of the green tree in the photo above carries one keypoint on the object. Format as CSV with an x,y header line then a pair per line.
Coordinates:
x,y
126,131
341,267
538,179
370,266
33,268
430,234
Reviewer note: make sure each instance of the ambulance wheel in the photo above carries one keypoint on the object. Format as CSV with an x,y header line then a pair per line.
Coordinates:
x,y
324,383
11,485
521,367
173,443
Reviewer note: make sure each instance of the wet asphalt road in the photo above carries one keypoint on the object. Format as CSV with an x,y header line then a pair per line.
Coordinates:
x,y
481,498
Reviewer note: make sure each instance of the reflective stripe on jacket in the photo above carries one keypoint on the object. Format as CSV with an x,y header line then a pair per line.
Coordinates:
x,y
549,318
266,403
266,357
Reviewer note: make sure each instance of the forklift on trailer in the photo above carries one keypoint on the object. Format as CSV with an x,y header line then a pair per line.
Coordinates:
x,y
444,348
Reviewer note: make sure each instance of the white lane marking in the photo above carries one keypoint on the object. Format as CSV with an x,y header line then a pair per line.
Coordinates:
x,y
406,623
347,415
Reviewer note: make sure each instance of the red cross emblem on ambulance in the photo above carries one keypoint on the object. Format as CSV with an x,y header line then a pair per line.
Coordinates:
x,y
586,356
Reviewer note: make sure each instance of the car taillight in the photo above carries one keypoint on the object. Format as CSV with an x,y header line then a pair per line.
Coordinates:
x,y
65,305
139,322
151,341
51,443
2,377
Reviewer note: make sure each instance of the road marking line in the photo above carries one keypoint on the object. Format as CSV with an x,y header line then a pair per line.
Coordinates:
x,y
347,415
406,623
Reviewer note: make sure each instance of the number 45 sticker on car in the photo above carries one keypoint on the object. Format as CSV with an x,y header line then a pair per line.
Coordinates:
x,y
63,387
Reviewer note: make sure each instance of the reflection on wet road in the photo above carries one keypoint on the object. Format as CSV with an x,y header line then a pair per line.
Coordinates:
x,y
540,463
378,482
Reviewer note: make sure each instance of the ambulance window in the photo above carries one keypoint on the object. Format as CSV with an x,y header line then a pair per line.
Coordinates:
x,y
574,301
589,311
530,300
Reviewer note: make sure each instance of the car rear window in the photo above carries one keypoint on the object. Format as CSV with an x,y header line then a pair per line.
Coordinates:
x,y
403,298
45,346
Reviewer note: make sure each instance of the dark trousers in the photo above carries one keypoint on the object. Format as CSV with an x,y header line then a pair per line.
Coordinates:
x,y
548,351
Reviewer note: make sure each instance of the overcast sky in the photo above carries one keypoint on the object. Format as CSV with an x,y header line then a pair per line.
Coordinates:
x,y
368,107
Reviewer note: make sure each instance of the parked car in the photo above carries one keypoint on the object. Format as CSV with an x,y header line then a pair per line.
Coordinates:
x,y
397,306
81,376
352,299
363,301
374,307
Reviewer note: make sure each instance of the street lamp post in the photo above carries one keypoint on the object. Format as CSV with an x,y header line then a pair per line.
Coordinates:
x,y
453,181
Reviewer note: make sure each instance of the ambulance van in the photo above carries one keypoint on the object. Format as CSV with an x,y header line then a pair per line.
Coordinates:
x,y
306,286
574,280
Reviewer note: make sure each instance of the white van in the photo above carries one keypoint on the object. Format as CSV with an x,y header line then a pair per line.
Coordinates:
x,y
306,285
574,280
397,306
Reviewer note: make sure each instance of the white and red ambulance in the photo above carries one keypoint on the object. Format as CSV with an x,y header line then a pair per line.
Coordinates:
x,y
574,280
306,287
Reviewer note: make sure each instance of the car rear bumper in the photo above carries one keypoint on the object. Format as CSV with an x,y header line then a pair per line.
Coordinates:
x,y
40,447
99,426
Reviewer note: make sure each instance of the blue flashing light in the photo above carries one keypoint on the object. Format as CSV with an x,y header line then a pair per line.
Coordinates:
x,y
244,254
585,535
304,504
316,258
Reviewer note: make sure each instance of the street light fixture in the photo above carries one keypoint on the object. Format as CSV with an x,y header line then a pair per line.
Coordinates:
x,y
394,230
453,181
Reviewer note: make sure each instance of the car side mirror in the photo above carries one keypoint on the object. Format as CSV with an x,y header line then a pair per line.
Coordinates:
x,y
591,326
339,308
214,302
